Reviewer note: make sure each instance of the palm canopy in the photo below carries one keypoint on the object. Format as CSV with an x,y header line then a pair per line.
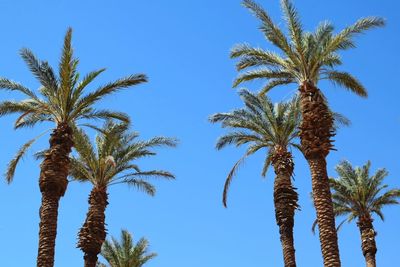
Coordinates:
x,y
126,253
111,160
62,99
358,194
260,124
304,56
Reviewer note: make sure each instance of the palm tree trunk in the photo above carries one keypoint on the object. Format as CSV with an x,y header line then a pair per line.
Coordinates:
x,y
368,243
93,232
53,184
316,130
285,200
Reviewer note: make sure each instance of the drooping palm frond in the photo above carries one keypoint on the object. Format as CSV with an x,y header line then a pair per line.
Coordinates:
x,y
347,81
126,253
260,125
12,165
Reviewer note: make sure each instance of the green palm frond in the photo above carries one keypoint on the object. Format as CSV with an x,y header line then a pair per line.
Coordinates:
x,y
274,83
229,178
251,57
107,89
139,184
347,81
14,86
40,69
343,40
294,25
106,114
12,165
270,29
263,73
126,253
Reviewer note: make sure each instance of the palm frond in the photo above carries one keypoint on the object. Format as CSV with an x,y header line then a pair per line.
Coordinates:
x,y
41,70
12,165
270,30
229,178
14,86
347,81
263,73
109,88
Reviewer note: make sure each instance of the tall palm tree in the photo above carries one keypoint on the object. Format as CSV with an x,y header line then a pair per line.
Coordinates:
x,y
126,253
263,125
306,58
62,101
112,162
358,195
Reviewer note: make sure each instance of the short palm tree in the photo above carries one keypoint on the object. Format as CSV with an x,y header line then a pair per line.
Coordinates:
x,y
263,125
126,253
358,195
112,162
305,59
63,102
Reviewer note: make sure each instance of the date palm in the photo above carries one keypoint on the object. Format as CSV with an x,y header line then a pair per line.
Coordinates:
x,y
62,100
358,195
110,162
263,125
304,59
126,253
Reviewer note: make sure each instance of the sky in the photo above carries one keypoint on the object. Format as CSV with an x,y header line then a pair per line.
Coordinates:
x,y
183,46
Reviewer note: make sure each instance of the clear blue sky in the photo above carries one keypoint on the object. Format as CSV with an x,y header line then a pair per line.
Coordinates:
x,y
183,46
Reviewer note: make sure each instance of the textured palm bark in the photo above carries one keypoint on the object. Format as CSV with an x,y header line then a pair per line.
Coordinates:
x,y
316,131
93,232
368,244
285,200
53,184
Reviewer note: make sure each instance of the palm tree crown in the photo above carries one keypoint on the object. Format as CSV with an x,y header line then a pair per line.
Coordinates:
x,y
357,194
261,124
111,162
305,56
62,99
126,253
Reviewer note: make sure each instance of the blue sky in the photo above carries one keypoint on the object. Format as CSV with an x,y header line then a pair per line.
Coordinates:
x,y
183,46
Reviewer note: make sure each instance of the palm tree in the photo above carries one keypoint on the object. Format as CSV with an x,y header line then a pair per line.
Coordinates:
x,y
110,163
358,195
126,253
305,59
261,124
62,101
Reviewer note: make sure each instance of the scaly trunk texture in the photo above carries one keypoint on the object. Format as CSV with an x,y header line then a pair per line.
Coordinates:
x,y
368,244
316,130
53,184
93,232
285,200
